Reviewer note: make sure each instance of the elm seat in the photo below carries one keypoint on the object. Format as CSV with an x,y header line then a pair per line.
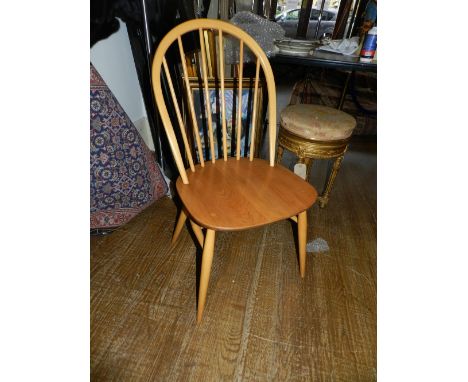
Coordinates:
x,y
239,194
317,122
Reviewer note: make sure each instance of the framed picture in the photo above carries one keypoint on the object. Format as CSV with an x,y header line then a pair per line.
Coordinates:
x,y
232,103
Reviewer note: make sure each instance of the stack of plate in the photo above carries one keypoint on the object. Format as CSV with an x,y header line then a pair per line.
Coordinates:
x,y
296,47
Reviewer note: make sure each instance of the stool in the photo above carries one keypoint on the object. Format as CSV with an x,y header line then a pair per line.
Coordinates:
x,y
315,132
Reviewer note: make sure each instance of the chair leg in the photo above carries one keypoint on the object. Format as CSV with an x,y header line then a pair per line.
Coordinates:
x,y
279,154
323,200
198,232
302,240
207,259
179,226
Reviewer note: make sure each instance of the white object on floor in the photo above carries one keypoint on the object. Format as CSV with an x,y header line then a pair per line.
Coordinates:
x,y
317,245
300,170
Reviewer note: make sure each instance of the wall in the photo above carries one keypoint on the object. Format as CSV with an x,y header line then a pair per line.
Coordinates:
x,y
113,60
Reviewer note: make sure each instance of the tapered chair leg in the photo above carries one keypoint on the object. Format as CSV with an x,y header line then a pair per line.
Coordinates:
x,y
198,232
207,259
179,226
302,240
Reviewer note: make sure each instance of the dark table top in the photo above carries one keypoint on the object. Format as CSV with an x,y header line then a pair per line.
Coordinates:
x,y
325,59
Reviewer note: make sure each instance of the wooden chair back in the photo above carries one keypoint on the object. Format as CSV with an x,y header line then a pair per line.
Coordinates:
x,y
220,29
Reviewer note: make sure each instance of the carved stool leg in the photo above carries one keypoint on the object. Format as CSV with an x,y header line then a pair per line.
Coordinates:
x,y
279,154
323,200
302,240
308,162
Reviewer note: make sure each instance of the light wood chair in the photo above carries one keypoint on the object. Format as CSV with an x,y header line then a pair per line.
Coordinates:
x,y
227,194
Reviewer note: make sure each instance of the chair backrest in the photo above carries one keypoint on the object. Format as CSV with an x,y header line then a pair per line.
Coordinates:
x,y
222,29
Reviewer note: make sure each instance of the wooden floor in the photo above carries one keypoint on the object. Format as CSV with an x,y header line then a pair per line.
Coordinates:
x,y
262,322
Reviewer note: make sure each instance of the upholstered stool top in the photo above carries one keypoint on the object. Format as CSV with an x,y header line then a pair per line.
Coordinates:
x,y
317,122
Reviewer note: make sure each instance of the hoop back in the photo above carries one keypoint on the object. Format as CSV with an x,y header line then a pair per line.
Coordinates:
x,y
208,65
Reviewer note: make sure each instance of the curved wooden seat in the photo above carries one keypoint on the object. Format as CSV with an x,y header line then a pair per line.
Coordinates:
x,y
240,194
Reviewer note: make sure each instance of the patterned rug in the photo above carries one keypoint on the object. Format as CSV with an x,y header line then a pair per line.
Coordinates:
x,y
125,177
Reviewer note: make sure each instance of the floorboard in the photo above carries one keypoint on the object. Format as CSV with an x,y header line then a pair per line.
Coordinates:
x,y
262,322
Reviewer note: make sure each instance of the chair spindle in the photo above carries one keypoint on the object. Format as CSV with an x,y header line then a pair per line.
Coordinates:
x,y
254,114
207,96
223,100
208,54
179,116
190,101
239,95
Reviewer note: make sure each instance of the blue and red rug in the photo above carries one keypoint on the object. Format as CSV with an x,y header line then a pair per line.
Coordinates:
x,y
125,177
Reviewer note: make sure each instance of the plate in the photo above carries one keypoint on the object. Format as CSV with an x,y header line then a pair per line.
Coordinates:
x,y
295,52
291,41
296,47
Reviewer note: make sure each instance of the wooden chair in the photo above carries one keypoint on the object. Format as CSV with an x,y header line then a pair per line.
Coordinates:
x,y
227,194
